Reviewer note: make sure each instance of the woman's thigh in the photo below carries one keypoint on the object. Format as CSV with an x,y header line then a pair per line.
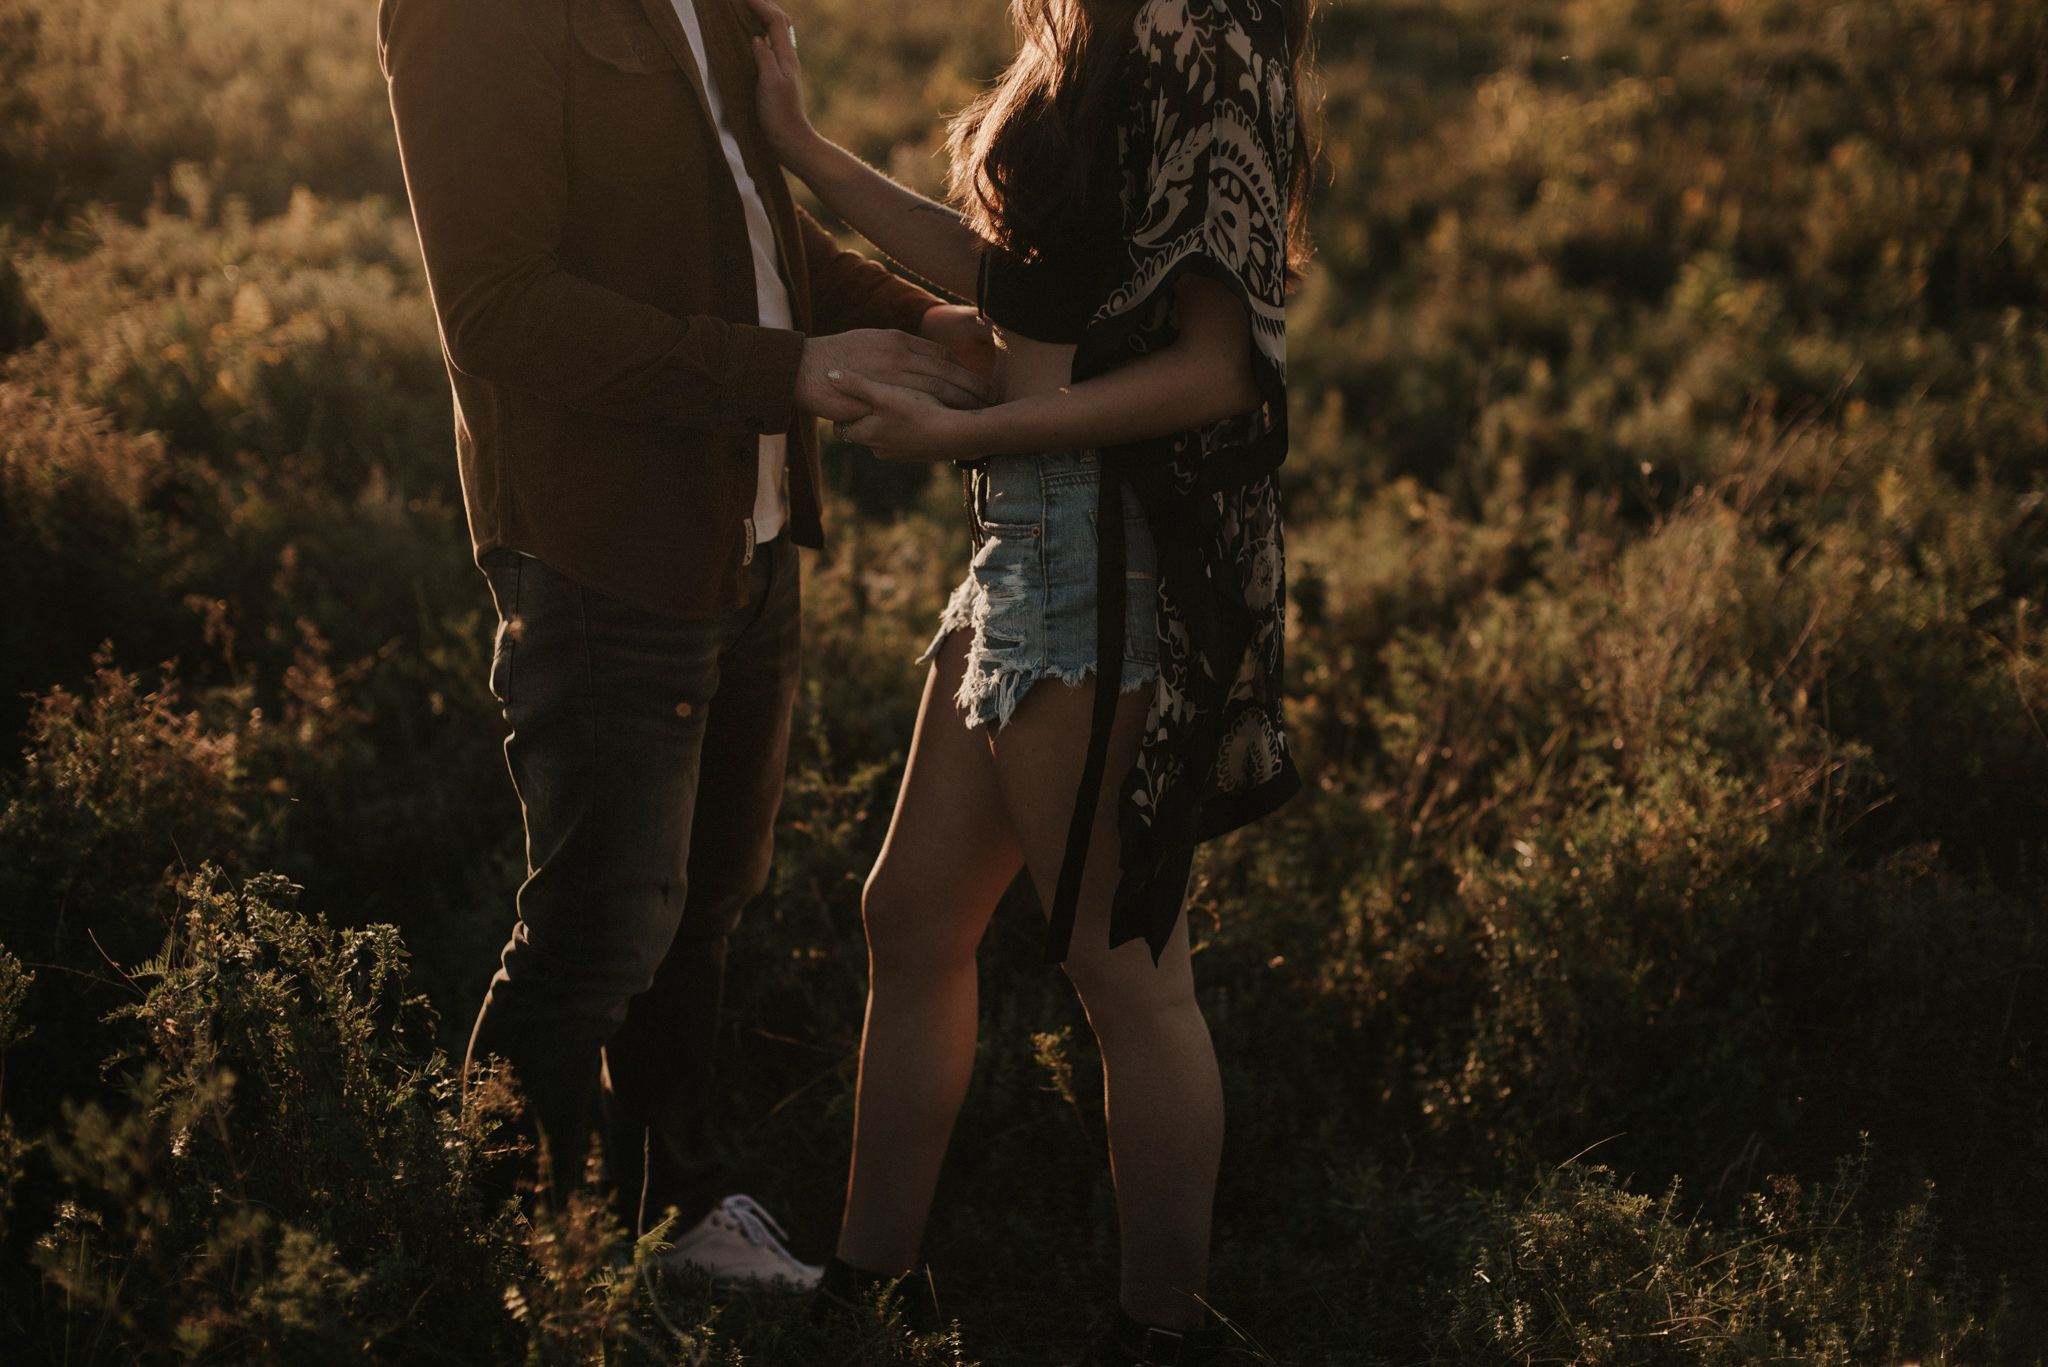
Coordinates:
x,y
1038,760
951,850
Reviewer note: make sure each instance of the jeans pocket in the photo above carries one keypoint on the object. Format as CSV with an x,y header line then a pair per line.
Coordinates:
x,y
1011,584
504,572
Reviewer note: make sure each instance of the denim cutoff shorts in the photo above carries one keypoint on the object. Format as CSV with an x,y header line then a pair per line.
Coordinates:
x,y
1029,596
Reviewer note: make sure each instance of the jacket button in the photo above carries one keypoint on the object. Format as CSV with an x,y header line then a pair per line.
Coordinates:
x,y
683,709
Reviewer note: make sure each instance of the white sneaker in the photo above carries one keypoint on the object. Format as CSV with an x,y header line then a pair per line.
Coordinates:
x,y
740,1242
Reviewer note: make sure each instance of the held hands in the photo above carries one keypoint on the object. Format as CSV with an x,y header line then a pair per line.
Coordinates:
x,y
894,360
913,415
905,424
779,95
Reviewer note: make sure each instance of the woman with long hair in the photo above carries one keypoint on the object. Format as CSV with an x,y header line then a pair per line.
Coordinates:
x,y
1130,217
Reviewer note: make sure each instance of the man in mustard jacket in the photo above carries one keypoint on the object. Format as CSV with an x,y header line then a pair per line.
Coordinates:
x,y
638,323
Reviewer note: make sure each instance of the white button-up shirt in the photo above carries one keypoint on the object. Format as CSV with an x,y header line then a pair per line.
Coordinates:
x,y
771,295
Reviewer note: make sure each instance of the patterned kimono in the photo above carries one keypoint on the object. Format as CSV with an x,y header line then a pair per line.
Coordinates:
x,y
1203,147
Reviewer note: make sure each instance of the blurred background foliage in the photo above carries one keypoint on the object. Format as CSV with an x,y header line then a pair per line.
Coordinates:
x,y
1653,971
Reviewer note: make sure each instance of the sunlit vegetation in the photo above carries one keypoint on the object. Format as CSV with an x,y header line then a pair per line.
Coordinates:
x,y
1654,972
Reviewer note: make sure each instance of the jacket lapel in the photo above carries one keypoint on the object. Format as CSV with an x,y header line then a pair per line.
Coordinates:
x,y
728,26
662,14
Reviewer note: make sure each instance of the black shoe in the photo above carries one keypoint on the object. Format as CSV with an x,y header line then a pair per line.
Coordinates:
x,y
906,1299
1127,1343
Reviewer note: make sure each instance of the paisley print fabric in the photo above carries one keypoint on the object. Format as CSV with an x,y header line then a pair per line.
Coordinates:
x,y
1203,148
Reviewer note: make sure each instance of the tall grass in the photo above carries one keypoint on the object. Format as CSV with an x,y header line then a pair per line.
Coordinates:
x,y
1651,972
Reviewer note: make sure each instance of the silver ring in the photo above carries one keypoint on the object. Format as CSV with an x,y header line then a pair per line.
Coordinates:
x,y
792,37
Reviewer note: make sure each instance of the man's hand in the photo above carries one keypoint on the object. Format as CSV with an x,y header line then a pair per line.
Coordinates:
x,y
964,332
887,356
902,424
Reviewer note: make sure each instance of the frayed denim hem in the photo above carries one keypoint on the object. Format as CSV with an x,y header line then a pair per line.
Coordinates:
x,y
1028,600
957,616
990,690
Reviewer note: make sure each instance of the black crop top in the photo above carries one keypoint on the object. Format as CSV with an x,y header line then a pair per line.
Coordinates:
x,y
1052,299
1048,300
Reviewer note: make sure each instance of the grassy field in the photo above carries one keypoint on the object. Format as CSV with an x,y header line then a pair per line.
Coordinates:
x,y
1655,970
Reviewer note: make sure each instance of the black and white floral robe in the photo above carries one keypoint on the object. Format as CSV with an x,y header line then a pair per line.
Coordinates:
x,y
1203,147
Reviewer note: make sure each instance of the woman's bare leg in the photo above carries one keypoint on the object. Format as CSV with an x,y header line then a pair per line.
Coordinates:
x,y
1162,1094
949,855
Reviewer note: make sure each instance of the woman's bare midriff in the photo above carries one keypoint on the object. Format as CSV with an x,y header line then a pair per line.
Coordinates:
x,y
1025,367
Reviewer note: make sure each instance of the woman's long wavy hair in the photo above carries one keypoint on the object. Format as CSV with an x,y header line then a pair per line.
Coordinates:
x,y
1023,152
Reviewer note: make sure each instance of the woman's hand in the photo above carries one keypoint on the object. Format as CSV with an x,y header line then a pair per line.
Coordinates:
x,y
779,95
905,424
928,238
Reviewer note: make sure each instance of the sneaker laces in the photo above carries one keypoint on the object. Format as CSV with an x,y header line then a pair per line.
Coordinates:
x,y
760,1228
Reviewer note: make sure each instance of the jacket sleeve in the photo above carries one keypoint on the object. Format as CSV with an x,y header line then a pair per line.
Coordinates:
x,y
850,291
476,93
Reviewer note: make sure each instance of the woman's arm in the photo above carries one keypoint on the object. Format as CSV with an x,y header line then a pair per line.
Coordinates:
x,y
928,238
1204,376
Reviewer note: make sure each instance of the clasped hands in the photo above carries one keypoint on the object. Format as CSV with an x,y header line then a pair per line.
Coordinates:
x,y
904,397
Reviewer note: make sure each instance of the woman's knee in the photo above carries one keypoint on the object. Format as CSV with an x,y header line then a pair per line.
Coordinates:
x,y
1123,988
907,926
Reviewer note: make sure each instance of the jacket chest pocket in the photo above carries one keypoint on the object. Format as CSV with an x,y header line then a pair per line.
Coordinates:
x,y
619,35
631,106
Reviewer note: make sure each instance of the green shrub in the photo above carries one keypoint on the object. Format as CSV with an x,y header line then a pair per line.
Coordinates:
x,y
14,1028
141,1279
1668,531
104,97
1586,1272
291,1177
294,1177
75,516
301,500
113,786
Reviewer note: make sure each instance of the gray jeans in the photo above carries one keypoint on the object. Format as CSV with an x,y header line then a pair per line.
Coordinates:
x,y
619,719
